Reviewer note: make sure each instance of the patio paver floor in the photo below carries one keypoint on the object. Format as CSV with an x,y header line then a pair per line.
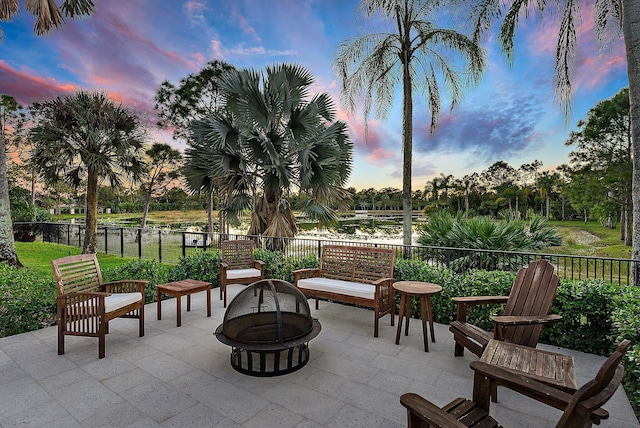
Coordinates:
x,y
182,377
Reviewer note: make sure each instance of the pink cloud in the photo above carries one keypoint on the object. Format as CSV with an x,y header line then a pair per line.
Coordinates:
x,y
27,87
244,25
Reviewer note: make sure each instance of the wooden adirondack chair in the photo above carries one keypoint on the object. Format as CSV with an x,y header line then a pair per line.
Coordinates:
x,y
238,266
580,409
526,311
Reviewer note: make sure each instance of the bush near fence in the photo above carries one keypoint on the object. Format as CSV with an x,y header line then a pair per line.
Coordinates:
x,y
596,315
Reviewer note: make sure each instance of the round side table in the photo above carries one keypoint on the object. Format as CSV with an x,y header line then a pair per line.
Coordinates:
x,y
422,290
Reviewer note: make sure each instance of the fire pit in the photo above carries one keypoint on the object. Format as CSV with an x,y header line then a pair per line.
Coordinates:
x,y
268,326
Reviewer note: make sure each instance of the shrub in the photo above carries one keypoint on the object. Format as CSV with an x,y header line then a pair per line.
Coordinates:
x,y
148,270
27,301
203,266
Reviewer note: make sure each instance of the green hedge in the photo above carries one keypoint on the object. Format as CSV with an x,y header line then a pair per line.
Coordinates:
x,y
148,270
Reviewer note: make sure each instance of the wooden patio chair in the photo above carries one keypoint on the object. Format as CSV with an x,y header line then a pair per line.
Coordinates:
x,y
581,409
526,311
86,304
238,266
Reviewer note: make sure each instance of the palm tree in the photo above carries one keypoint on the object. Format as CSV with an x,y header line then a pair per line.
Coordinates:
x,y
163,164
413,53
268,140
87,137
48,14
607,14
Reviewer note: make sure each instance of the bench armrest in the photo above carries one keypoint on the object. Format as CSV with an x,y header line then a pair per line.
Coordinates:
x,y
464,301
305,273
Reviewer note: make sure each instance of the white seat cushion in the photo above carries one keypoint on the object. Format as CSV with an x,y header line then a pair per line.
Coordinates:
x,y
119,300
348,288
242,273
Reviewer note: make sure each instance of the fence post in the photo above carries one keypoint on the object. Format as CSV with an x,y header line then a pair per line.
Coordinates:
x,y
319,249
184,245
121,242
106,240
159,246
79,237
204,242
139,243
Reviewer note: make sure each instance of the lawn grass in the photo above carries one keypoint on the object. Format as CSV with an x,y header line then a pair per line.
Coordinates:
x,y
589,239
37,256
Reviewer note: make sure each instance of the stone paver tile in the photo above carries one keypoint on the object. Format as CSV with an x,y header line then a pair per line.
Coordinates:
x,y
192,381
416,369
373,400
304,401
229,400
10,371
158,400
48,414
197,415
325,382
43,365
21,395
143,423
167,343
128,380
391,382
115,415
345,368
352,417
163,366
274,416
86,398
106,368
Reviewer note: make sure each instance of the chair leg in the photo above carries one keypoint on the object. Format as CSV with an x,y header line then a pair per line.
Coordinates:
x,y
376,320
101,337
141,321
60,338
458,350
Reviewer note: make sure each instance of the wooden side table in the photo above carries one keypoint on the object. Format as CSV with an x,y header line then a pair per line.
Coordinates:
x,y
547,367
422,290
186,287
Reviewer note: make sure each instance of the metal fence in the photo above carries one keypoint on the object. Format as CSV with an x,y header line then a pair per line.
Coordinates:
x,y
168,246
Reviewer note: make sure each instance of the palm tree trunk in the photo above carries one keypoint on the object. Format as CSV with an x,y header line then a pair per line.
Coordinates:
x,y
210,215
7,245
407,151
631,32
145,211
548,201
91,218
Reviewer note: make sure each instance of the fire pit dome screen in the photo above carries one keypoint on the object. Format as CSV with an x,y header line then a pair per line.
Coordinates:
x,y
268,326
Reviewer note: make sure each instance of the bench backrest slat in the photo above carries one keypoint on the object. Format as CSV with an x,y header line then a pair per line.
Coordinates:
x,y
360,264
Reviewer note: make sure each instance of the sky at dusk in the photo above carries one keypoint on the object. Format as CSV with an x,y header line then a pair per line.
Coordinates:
x,y
130,46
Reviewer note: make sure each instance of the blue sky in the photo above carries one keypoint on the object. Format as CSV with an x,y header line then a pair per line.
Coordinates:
x,y
129,47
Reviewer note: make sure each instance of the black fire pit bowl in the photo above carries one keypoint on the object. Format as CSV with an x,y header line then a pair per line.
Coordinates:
x,y
268,326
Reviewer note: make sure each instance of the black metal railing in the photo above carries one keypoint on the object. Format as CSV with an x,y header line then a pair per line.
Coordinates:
x,y
168,246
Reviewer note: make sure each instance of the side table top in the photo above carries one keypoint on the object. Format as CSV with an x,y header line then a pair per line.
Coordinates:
x,y
184,285
417,287
545,366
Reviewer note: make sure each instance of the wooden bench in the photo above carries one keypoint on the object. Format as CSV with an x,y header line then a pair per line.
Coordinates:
x,y
361,276
86,304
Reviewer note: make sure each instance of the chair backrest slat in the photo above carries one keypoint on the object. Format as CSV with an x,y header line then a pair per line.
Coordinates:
x,y
532,294
77,273
238,254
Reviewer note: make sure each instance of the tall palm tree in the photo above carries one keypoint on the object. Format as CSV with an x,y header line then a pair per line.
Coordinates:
x,y
414,53
608,14
269,139
86,137
48,15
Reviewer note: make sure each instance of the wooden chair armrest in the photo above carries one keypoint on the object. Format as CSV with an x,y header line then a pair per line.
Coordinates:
x,y
429,412
257,264
521,384
125,286
305,273
463,302
224,265
480,300
525,319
